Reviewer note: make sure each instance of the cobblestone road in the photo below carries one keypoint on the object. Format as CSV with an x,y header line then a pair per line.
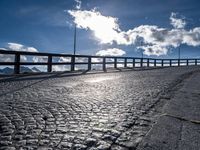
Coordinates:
x,y
93,111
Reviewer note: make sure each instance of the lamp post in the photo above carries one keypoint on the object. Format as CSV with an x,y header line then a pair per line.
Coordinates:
x,y
75,40
179,55
141,63
73,57
142,54
142,49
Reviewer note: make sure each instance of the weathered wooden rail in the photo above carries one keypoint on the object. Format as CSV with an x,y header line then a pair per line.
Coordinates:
x,y
101,60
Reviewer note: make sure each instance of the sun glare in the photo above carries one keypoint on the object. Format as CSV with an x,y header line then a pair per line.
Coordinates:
x,y
99,79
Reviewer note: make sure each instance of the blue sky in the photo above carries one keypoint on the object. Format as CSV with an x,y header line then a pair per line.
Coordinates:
x,y
48,27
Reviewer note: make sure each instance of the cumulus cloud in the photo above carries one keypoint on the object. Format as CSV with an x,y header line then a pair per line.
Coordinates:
x,y
78,4
20,47
4,58
105,28
60,68
155,40
111,52
176,22
17,47
40,59
64,59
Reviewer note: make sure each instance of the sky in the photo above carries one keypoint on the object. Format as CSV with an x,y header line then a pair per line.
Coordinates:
x,y
104,27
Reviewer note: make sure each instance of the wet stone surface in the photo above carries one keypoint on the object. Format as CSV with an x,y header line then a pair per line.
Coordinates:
x,y
95,111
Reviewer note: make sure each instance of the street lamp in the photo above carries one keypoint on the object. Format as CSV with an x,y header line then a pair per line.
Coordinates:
x,y
142,54
141,65
75,40
179,55
141,49
73,58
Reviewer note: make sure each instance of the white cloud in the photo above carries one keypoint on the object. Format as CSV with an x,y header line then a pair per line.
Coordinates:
x,y
16,47
155,40
111,52
192,37
40,59
6,58
20,47
154,50
64,59
105,28
3,49
178,23
60,68
78,4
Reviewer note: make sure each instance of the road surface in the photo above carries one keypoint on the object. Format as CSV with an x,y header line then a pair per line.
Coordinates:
x,y
93,111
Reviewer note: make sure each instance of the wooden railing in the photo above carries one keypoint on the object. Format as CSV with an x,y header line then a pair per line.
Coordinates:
x,y
101,60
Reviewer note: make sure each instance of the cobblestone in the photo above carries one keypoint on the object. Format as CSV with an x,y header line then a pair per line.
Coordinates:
x,y
94,111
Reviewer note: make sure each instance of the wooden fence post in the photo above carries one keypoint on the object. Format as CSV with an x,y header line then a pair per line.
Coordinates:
x,y
141,62
133,62
125,62
104,63
17,63
49,66
89,63
115,62
178,62
148,62
154,62
72,63
195,62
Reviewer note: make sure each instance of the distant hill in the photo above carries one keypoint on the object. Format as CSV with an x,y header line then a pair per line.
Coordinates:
x,y
8,70
34,69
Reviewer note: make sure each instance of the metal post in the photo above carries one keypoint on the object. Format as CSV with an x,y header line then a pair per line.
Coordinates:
x,y
187,62
142,54
147,62
125,62
104,63
49,67
195,62
141,48
141,62
72,63
179,55
170,62
133,62
17,63
162,62
178,62
115,62
154,62
75,40
89,63
73,57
